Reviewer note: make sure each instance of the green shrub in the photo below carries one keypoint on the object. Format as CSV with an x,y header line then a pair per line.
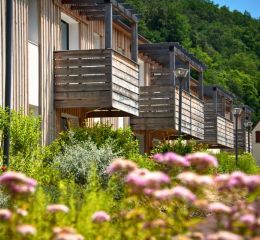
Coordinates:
x,y
180,146
77,160
25,133
121,140
246,163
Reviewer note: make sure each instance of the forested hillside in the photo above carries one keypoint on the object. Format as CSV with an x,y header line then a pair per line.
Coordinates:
x,y
227,42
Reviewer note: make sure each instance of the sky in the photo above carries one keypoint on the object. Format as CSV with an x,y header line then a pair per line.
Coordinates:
x,y
251,6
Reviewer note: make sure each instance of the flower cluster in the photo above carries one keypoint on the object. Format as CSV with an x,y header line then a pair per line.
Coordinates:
x,y
199,160
100,217
18,183
66,234
121,165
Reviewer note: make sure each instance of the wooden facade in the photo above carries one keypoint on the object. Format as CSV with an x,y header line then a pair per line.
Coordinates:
x,y
219,125
20,54
246,115
121,38
159,99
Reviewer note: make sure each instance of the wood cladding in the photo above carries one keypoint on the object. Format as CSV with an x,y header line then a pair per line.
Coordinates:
x,y
20,54
50,42
158,107
96,79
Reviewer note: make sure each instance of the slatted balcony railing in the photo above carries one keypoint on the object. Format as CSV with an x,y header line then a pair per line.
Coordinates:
x,y
225,130
96,79
158,107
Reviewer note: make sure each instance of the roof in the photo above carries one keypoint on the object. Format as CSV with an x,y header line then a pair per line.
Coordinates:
x,y
256,126
246,107
209,89
160,53
95,9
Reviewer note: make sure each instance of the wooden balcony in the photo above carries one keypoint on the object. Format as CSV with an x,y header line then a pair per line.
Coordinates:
x,y
100,80
158,106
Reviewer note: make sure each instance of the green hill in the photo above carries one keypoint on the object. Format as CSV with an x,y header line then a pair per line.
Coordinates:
x,y
227,42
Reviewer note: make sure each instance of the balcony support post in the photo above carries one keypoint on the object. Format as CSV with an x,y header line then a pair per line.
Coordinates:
x,y
172,61
108,26
172,77
134,42
201,91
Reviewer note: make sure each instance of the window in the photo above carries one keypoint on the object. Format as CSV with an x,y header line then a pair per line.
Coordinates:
x,y
64,35
97,41
257,136
69,33
33,21
141,72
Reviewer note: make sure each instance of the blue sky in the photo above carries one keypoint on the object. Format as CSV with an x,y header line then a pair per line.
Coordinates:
x,y
252,6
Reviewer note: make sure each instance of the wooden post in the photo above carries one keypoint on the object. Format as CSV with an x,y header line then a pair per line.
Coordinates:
x,y
216,99
201,92
172,65
108,25
188,82
134,42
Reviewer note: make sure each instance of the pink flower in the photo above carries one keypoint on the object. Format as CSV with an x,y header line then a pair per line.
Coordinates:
x,y
193,179
218,207
121,165
171,159
26,229
164,194
248,219
22,212
66,234
237,179
183,193
18,182
54,208
142,178
202,160
100,217
223,235
253,182
5,214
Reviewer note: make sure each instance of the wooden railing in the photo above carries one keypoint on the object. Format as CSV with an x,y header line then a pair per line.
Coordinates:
x,y
158,107
96,79
192,114
225,132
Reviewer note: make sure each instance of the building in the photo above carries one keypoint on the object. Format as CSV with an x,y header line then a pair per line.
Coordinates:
x,y
219,127
159,95
243,135
71,59
256,142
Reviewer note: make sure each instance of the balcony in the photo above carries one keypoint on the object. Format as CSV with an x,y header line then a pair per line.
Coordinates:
x,y
97,81
158,106
219,127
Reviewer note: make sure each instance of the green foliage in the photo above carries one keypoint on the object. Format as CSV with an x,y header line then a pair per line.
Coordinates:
x,y
180,147
227,42
76,161
121,140
246,163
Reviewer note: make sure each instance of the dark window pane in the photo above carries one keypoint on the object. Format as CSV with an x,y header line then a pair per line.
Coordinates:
x,y
257,137
64,36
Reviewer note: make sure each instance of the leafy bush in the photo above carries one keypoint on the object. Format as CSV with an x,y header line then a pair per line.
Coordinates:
x,y
121,140
180,146
246,163
77,160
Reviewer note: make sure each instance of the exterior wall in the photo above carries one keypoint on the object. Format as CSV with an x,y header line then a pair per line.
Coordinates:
x,y
256,146
20,54
2,51
49,42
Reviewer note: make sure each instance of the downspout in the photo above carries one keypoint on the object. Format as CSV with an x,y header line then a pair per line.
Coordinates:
x,y
8,78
